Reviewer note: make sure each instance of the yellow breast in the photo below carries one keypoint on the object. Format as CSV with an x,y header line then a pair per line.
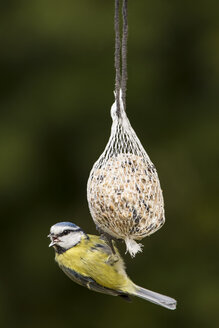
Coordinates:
x,y
92,258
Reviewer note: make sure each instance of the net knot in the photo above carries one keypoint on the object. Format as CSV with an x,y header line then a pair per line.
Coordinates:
x,y
114,108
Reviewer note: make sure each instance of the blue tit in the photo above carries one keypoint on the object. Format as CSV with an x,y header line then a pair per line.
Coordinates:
x,y
89,261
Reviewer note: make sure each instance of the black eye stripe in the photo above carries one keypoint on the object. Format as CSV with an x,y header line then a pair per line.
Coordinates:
x,y
63,233
67,231
79,229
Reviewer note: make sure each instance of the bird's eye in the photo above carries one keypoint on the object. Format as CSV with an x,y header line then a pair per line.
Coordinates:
x,y
65,232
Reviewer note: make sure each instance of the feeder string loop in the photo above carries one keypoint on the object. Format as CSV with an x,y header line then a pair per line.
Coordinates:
x,y
124,51
121,79
117,56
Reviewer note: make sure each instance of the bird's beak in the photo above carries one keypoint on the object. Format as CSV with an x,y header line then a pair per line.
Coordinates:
x,y
52,243
53,239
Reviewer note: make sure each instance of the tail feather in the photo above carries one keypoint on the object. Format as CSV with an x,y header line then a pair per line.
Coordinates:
x,y
156,298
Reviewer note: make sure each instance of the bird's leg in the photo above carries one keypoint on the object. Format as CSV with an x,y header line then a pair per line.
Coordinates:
x,y
108,239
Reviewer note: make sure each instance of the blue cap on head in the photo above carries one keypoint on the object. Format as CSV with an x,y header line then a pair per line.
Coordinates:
x,y
68,224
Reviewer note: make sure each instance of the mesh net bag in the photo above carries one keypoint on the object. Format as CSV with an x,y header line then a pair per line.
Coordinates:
x,y
124,194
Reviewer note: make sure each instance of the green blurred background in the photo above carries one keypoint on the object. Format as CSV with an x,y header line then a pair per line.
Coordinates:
x,y
57,80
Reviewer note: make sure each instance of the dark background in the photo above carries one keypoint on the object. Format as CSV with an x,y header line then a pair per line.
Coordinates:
x,y
57,80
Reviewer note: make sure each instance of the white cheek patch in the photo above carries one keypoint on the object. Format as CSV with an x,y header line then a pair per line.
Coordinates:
x,y
70,240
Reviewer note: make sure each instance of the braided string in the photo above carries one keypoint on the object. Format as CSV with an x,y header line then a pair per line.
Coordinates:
x,y
121,79
124,52
117,56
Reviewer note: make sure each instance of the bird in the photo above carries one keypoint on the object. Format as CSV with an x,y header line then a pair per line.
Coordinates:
x,y
89,261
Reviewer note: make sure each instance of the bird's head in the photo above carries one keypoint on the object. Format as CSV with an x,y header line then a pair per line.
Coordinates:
x,y
65,235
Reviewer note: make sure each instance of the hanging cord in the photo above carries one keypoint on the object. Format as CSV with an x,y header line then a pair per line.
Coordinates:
x,y
117,55
124,51
121,81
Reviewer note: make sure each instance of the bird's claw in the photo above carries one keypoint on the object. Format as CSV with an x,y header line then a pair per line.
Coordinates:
x,y
112,259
